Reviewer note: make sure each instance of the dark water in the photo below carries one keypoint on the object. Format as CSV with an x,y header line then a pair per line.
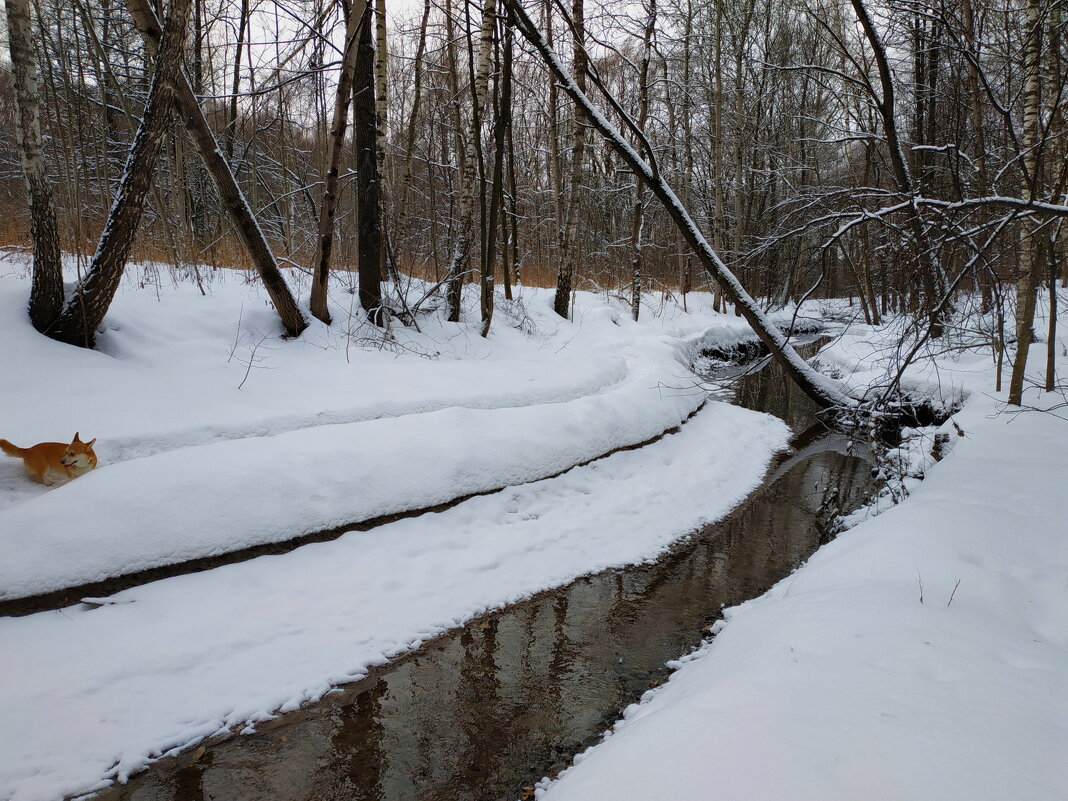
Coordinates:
x,y
485,711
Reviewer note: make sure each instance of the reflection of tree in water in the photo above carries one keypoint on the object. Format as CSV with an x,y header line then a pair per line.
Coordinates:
x,y
357,742
480,712
189,781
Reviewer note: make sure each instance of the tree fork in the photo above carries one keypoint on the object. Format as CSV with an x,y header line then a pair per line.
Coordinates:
x,y
88,305
233,199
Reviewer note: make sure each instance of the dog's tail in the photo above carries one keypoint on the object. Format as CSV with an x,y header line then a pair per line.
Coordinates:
x,y
12,450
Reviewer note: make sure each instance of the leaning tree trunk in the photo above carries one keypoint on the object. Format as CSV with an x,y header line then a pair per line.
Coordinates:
x,y
85,310
259,251
825,391
325,244
46,292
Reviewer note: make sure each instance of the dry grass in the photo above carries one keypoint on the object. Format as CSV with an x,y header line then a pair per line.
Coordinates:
x,y
227,252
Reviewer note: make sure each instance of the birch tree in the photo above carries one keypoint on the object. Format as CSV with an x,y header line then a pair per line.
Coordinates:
x,y
46,292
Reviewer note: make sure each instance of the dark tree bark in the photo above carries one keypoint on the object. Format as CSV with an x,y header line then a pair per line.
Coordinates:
x,y
85,310
565,277
638,212
231,122
368,187
233,199
46,293
503,109
930,271
327,209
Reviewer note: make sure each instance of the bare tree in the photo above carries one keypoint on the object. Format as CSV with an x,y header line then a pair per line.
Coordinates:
x,y
1030,262
569,233
46,293
368,185
354,17
230,193
83,313
823,390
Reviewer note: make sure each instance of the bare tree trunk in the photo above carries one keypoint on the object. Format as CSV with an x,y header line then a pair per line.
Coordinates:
x,y
368,185
500,130
823,390
1051,334
229,192
718,223
739,118
687,146
231,122
409,149
325,242
930,272
566,276
85,310
462,252
512,221
381,128
46,292
556,180
638,219
1030,259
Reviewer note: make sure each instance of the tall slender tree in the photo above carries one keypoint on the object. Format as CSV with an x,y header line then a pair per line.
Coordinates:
x,y
46,292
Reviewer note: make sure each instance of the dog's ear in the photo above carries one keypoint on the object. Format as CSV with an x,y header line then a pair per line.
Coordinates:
x,y
89,444
75,437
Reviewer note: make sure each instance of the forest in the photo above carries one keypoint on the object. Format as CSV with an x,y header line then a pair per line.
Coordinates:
x,y
533,399
910,155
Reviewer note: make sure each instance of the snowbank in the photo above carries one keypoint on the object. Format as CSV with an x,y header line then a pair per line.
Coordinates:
x,y
922,654
200,501
171,662
214,436
320,434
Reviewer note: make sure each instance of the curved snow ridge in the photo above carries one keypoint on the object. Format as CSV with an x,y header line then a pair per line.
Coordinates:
x,y
208,652
922,654
204,501
121,449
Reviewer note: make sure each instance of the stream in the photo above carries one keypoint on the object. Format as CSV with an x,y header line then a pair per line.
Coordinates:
x,y
483,712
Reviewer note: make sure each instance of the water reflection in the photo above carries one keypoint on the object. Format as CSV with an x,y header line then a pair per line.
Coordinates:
x,y
485,711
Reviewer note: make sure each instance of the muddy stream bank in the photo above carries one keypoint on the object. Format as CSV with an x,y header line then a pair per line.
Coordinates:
x,y
483,712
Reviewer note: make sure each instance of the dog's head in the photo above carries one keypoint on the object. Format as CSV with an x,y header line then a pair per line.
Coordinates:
x,y
80,454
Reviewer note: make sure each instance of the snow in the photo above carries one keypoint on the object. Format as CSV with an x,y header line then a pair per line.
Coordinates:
x,y
922,654
326,433
299,437
839,683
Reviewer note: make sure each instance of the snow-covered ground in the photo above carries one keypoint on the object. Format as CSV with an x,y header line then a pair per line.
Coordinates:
x,y
322,432
839,683
921,655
